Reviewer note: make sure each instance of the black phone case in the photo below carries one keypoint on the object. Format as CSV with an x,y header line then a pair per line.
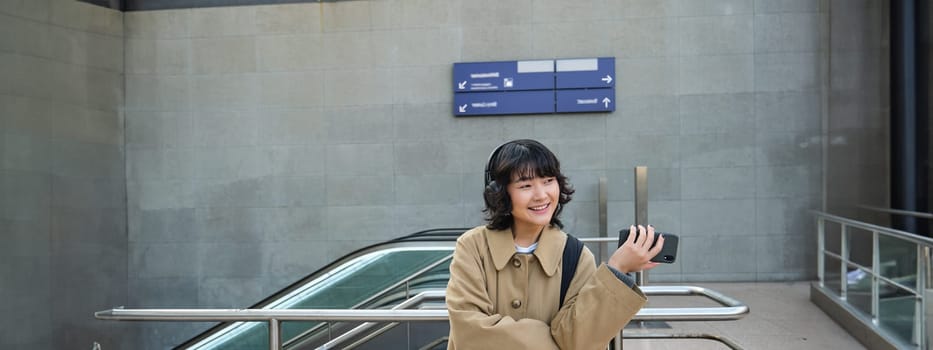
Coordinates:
x,y
667,255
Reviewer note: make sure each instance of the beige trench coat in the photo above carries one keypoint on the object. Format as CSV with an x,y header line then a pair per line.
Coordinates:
x,y
499,299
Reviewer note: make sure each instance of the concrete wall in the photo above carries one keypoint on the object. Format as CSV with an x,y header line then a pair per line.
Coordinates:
x,y
62,182
858,131
265,141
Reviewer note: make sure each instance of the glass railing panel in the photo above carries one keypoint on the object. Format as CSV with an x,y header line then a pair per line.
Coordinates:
x,y
898,260
258,339
858,289
860,246
346,287
832,276
897,309
833,237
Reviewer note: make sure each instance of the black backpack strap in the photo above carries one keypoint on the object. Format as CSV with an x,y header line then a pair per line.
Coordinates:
x,y
572,250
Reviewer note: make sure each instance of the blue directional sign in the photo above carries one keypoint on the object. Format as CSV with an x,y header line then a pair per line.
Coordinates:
x,y
586,100
586,73
504,102
534,86
504,76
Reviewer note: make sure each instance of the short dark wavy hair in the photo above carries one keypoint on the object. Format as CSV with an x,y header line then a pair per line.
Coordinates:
x,y
520,159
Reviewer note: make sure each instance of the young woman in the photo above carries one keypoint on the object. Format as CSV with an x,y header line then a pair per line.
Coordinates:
x,y
504,289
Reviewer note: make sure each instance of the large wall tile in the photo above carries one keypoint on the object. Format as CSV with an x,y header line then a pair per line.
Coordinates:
x,y
360,159
718,183
787,72
787,111
644,115
289,52
365,124
513,41
374,189
223,55
287,18
717,113
787,32
427,189
355,87
712,7
773,6
717,74
158,24
716,35
222,21
646,37
717,150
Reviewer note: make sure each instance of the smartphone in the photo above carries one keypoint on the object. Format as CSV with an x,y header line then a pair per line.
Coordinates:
x,y
667,254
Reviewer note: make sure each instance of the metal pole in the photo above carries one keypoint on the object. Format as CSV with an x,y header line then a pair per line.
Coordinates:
x,y
821,249
844,262
875,272
275,340
923,285
641,210
603,217
920,312
641,218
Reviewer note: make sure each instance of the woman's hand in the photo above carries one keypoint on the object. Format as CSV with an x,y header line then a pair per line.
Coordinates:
x,y
635,254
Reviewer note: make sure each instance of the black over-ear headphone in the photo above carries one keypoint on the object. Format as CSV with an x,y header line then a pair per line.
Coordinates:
x,y
491,185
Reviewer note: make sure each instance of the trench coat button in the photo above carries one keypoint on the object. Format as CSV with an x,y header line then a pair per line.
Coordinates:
x,y
517,263
516,304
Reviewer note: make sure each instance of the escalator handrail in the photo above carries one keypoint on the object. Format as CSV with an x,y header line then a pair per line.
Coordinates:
x,y
432,235
378,295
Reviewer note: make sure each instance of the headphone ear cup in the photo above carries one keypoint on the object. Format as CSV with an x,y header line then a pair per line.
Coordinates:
x,y
489,194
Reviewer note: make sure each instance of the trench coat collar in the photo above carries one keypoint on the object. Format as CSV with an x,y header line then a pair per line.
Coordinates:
x,y
550,248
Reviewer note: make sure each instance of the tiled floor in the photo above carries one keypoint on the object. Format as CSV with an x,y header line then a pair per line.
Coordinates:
x,y
781,317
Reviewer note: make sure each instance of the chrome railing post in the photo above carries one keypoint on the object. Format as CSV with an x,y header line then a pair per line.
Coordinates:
x,y
844,261
275,339
923,267
920,310
821,249
641,211
875,272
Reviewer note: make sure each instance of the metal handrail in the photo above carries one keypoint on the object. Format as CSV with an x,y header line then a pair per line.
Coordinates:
x,y
887,231
923,272
732,310
918,214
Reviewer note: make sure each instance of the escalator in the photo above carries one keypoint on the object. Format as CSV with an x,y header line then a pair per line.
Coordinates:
x,y
380,276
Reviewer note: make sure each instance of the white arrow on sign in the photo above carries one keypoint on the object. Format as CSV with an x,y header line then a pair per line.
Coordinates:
x,y
462,109
462,85
607,79
606,101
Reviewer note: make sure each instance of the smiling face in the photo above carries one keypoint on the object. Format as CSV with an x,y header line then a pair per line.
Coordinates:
x,y
534,200
525,189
